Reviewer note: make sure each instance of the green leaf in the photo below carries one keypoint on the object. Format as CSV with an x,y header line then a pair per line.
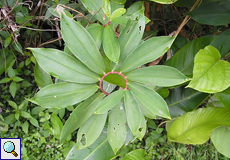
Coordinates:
x,y
220,138
11,72
136,154
7,41
23,105
63,94
158,75
25,114
195,127
95,8
141,129
100,149
108,87
13,89
164,1
117,129
41,77
221,42
224,97
17,115
205,15
150,99
119,1
182,100
117,13
96,31
148,51
63,66
146,112
183,60
17,79
34,122
5,62
5,80
56,125
13,104
109,102
133,113
116,79
81,44
90,130
210,74
130,37
106,7
80,115
25,127
10,119
26,84
110,44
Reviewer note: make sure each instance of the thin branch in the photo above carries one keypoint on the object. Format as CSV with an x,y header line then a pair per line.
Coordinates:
x,y
37,29
10,11
73,10
187,18
49,42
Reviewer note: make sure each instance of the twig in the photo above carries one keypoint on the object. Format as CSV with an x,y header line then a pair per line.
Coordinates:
x,y
37,29
73,10
10,11
212,102
49,42
187,18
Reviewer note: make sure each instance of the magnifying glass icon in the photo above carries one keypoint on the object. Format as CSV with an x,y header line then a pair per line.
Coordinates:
x,y
9,147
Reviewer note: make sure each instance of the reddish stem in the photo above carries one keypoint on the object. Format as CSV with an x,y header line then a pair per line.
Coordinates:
x,y
112,72
106,24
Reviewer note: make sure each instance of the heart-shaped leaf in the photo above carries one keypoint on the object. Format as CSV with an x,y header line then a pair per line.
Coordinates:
x,y
195,127
221,138
210,74
183,60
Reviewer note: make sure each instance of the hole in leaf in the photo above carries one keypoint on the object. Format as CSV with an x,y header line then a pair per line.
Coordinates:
x,y
139,28
118,124
83,139
114,129
140,129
